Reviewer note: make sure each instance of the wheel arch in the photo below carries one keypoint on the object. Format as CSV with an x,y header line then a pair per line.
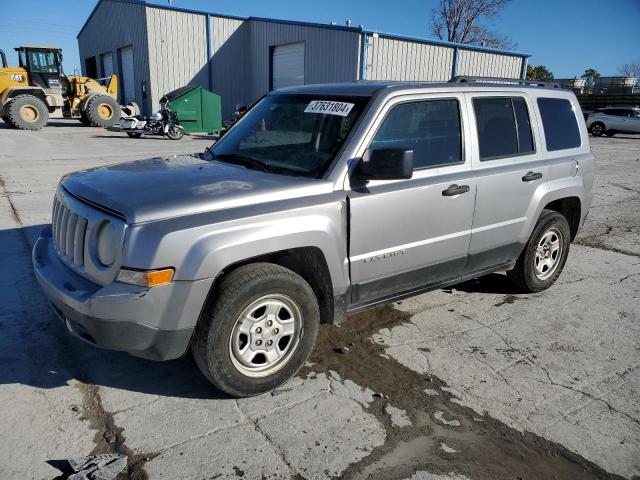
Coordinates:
x,y
309,262
571,209
566,196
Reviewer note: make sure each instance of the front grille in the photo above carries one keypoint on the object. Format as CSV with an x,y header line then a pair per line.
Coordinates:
x,y
68,230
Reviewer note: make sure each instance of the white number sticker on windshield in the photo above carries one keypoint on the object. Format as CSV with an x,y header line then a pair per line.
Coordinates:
x,y
329,108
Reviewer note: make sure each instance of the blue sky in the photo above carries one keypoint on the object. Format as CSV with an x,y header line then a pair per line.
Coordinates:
x,y
567,36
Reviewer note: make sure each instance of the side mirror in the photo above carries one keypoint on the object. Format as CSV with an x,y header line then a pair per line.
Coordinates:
x,y
386,164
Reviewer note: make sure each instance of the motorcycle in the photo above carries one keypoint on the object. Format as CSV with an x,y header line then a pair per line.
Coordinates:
x,y
164,122
235,116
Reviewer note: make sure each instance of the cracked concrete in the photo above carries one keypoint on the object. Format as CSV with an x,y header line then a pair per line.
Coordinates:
x,y
562,364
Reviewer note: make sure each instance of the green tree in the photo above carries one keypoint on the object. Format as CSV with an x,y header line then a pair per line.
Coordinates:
x,y
590,75
540,72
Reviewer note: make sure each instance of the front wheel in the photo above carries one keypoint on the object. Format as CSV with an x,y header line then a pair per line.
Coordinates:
x,y
259,332
27,112
597,129
545,254
175,133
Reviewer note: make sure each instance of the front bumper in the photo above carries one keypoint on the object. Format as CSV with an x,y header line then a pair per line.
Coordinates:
x,y
154,323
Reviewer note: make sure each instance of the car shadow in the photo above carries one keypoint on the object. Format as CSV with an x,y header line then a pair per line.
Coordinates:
x,y
36,350
494,283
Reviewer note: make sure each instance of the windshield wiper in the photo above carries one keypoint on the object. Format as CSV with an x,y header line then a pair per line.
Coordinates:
x,y
243,160
203,155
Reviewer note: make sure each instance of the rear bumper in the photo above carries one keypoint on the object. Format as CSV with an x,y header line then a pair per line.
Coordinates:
x,y
154,323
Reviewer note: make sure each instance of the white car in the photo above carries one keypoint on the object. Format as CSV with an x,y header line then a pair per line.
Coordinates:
x,y
614,120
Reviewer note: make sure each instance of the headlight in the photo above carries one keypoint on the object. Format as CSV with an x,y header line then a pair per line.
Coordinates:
x,y
108,244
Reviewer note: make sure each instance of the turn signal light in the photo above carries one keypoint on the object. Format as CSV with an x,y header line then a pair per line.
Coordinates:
x,y
148,279
159,277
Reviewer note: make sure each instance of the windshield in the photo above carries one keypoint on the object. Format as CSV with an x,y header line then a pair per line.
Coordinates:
x,y
42,61
291,134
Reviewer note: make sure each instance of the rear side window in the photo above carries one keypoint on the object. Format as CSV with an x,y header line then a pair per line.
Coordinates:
x,y
430,128
504,128
560,125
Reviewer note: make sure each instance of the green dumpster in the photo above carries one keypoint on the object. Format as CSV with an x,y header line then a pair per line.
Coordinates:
x,y
198,109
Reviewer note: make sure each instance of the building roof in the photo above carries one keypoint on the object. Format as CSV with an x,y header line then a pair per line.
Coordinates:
x,y
309,24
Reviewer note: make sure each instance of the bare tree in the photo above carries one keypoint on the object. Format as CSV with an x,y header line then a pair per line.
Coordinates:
x,y
630,69
460,21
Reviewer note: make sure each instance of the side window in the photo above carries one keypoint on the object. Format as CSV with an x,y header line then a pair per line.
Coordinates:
x,y
430,128
504,128
560,125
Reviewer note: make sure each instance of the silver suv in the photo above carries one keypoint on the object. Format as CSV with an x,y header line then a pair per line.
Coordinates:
x,y
321,201
614,120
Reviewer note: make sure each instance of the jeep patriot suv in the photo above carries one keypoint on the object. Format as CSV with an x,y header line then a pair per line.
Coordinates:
x,y
323,200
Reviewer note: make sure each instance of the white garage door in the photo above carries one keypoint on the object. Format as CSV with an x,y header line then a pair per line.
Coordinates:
x,y
288,65
106,60
128,78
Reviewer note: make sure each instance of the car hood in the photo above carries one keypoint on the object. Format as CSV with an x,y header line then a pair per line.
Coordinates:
x,y
157,188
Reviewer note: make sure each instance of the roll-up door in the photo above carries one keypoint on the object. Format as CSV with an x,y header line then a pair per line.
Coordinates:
x,y
288,65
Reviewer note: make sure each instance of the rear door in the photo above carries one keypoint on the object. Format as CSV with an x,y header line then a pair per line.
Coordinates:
x,y
406,234
510,172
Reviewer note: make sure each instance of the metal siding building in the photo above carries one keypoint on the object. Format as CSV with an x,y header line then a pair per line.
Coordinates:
x,y
233,56
390,58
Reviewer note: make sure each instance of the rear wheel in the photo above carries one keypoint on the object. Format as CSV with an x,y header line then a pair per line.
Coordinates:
x,y
259,332
545,254
27,112
597,129
102,111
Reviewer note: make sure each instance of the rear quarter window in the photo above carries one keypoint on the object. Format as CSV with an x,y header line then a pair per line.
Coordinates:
x,y
559,122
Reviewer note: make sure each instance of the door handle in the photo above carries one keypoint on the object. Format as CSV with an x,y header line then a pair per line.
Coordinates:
x,y
531,176
455,190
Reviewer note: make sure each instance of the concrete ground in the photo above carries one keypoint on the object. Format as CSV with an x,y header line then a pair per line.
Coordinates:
x,y
471,382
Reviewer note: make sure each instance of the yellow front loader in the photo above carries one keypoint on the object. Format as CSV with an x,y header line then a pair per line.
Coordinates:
x,y
38,89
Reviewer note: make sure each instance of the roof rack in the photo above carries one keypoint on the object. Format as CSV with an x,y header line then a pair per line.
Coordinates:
x,y
519,81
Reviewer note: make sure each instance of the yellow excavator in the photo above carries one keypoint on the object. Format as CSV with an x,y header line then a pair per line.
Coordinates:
x,y
38,89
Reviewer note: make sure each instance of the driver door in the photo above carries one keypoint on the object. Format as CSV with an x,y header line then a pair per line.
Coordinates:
x,y
411,234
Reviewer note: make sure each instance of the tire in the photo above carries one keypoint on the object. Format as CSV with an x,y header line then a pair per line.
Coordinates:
x,y
6,120
175,133
218,339
529,274
609,133
27,112
102,111
134,134
84,120
597,129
